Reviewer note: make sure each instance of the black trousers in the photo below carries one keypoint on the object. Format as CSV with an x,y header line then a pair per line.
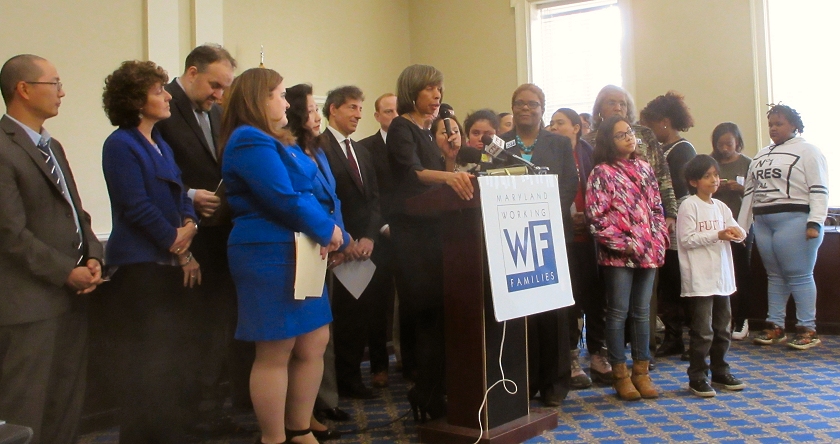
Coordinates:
x,y
670,304
154,327
709,335
355,324
740,300
224,358
418,252
588,291
548,352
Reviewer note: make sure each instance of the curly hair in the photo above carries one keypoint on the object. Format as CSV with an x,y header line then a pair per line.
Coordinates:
x,y
722,130
127,89
672,106
605,150
298,114
789,114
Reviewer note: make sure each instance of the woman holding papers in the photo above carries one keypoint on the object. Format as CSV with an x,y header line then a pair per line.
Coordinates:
x,y
276,190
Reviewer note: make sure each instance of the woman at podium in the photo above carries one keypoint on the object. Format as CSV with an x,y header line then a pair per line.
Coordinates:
x,y
417,167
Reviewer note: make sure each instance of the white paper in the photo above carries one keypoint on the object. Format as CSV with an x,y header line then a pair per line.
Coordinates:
x,y
355,275
740,180
310,269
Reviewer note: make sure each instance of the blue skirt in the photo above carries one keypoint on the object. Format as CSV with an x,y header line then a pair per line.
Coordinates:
x,y
264,275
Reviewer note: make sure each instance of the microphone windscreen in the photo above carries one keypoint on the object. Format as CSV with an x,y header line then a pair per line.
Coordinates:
x,y
467,155
486,139
445,113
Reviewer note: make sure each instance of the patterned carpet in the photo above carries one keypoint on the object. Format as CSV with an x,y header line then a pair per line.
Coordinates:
x,y
791,396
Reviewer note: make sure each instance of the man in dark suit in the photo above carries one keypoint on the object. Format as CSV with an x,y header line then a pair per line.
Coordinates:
x,y
193,132
49,259
403,333
357,189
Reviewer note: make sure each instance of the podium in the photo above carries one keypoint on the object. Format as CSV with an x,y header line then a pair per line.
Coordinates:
x,y
474,338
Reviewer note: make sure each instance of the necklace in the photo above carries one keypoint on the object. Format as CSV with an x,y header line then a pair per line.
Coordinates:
x,y
415,122
525,149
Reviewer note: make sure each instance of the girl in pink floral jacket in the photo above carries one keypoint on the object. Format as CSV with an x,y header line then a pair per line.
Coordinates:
x,y
625,213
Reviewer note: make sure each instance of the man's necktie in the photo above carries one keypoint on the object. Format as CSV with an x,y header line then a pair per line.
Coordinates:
x,y
52,166
354,167
204,123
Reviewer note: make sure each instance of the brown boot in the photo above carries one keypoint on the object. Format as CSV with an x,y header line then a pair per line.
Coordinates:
x,y
622,384
641,380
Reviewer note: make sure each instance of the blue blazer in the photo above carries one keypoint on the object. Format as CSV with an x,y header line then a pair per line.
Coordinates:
x,y
275,191
148,200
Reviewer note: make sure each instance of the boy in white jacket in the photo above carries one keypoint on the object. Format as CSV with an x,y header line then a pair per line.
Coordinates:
x,y
705,227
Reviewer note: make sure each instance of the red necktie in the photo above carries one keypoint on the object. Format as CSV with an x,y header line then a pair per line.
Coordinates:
x,y
354,167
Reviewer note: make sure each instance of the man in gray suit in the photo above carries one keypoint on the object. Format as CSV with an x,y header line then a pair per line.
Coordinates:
x,y
49,260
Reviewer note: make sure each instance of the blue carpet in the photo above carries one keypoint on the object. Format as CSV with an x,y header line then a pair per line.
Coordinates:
x,y
791,396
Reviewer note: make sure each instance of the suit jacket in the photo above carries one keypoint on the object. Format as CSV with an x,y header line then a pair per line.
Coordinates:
x,y
148,201
555,152
359,205
375,145
275,191
199,169
37,232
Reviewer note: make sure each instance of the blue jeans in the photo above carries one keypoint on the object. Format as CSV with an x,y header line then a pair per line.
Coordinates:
x,y
628,291
789,259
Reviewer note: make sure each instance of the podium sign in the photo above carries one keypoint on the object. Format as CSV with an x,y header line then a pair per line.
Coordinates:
x,y
526,249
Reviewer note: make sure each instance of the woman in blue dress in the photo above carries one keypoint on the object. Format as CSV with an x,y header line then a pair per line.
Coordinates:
x,y
275,189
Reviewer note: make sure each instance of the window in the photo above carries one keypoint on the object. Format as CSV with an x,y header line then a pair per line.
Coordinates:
x,y
803,71
563,63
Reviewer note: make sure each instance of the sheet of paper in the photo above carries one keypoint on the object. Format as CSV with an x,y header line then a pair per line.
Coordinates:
x,y
310,269
355,275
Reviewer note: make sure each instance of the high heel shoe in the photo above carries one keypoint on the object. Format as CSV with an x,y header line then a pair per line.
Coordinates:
x,y
427,406
327,434
289,435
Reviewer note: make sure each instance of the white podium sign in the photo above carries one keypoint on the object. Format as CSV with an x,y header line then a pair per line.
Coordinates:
x,y
526,250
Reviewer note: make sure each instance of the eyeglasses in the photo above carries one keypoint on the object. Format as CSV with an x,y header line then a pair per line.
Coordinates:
x,y
58,85
624,134
521,104
612,104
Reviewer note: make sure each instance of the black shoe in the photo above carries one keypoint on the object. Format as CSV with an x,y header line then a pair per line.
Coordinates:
x,y
334,414
549,396
670,346
425,406
217,427
326,435
685,356
651,365
357,391
702,388
728,382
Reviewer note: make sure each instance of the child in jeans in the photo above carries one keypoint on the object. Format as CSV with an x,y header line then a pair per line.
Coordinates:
x,y
705,227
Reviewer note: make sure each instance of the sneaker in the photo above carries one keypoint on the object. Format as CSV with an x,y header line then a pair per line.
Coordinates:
x,y
728,382
702,388
805,339
775,335
743,333
579,378
600,367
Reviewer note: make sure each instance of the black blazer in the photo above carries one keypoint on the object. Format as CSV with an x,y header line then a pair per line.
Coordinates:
x,y
199,170
375,145
555,152
359,206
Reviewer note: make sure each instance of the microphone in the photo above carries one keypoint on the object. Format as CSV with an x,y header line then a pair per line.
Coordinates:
x,y
468,155
446,114
494,146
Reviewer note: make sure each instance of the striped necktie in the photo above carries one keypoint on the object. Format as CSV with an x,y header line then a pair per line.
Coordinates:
x,y
52,167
